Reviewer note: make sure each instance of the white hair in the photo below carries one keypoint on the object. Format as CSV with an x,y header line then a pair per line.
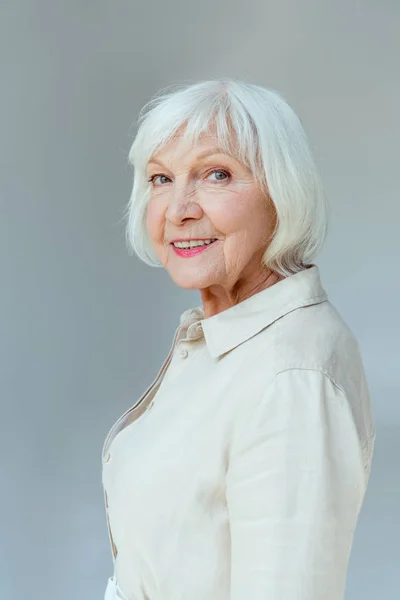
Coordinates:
x,y
269,138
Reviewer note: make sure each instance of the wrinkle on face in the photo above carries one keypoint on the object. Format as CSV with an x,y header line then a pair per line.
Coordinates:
x,y
191,204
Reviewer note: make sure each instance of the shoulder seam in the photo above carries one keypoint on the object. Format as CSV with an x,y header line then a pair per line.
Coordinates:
x,y
308,369
259,400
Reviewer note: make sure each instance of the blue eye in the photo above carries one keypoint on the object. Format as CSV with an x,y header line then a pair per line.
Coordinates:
x,y
164,179
154,177
219,172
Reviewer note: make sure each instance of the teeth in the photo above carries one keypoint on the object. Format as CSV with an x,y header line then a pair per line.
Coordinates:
x,y
193,243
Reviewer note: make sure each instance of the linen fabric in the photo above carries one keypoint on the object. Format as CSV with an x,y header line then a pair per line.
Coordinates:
x,y
241,471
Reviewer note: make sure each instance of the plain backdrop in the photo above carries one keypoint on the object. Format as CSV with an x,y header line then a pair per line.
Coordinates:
x,y
85,326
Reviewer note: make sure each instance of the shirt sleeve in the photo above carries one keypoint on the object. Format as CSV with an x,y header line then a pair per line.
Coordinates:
x,y
295,486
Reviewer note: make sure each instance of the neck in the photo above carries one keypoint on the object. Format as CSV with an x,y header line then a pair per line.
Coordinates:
x,y
216,299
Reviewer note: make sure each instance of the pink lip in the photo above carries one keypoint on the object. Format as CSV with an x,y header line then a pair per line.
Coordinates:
x,y
192,251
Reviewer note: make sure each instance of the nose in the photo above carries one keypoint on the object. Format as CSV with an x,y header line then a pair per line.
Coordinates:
x,y
183,205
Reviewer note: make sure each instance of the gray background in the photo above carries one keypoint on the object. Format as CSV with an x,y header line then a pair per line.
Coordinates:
x,y
85,326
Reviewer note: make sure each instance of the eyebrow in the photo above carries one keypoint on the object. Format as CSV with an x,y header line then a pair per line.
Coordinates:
x,y
209,152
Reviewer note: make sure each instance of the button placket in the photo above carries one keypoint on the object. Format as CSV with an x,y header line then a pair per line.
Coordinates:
x,y
183,353
194,331
113,432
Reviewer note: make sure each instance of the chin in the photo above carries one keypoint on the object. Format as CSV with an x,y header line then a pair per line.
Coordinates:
x,y
190,283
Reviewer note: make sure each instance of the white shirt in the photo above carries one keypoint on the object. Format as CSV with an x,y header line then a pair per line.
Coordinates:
x,y
241,471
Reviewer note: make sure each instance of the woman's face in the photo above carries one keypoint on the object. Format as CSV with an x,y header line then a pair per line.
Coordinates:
x,y
200,193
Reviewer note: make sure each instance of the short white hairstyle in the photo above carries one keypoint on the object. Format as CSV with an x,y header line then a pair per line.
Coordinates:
x,y
269,139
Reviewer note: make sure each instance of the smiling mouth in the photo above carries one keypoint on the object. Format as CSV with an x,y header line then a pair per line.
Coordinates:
x,y
188,251
183,245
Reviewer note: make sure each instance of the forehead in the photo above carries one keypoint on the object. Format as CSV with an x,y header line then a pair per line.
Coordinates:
x,y
182,146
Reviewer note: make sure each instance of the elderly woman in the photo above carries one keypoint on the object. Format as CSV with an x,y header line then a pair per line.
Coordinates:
x,y
241,471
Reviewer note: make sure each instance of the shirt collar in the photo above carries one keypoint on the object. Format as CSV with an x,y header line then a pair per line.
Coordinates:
x,y
233,326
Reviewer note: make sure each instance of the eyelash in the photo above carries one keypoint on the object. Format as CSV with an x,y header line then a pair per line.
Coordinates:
x,y
215,170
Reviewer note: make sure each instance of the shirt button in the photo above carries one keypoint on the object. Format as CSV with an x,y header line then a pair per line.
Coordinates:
x,y
107,458
183,353
199,328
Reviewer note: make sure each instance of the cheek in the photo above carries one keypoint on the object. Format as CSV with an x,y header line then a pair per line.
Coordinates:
x,y
241,212
154,220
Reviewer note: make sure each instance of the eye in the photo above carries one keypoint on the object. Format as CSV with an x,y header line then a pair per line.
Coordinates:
x,y
217,172
154,177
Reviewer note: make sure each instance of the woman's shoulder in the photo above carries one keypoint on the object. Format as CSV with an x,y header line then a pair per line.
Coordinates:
x,y
316,350
318,337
